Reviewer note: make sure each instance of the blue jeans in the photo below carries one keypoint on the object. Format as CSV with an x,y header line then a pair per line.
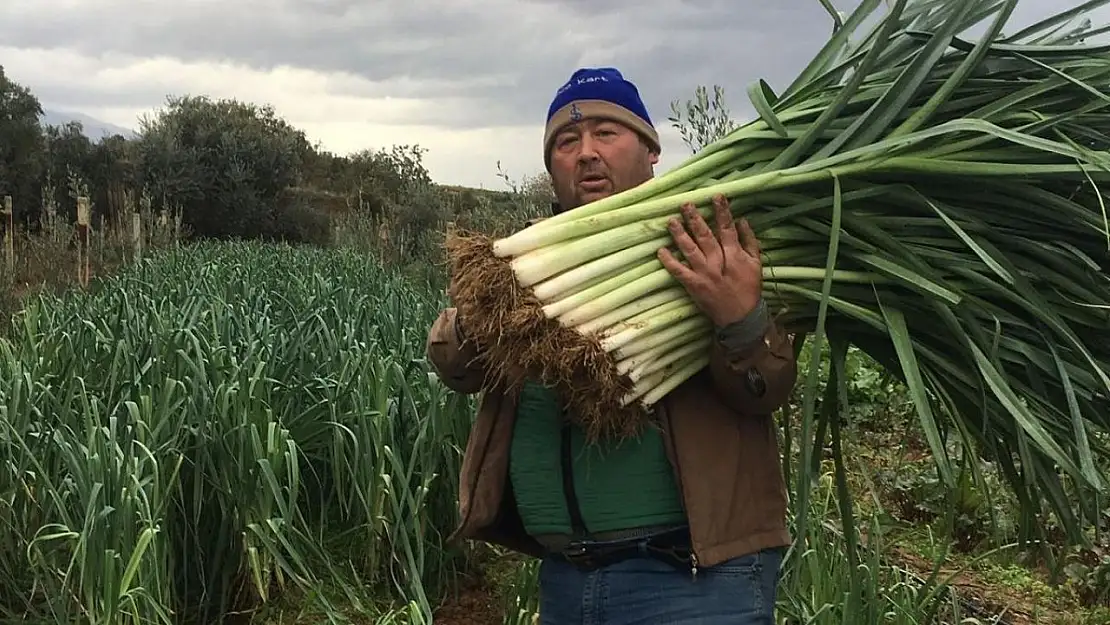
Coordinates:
x,y
643,591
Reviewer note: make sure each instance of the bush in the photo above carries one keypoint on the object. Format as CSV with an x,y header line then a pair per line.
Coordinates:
x,y
223,162
297,222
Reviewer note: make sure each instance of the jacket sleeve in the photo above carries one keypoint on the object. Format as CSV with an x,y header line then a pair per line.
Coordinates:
x,y
454,359
752,364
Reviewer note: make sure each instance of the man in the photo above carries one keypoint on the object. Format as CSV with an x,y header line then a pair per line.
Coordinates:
x,y
686,523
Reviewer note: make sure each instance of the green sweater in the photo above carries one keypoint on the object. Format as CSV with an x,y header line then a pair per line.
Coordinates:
x,y
619,484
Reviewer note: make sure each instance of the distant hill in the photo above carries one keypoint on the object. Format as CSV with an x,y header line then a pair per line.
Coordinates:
x,y
95,129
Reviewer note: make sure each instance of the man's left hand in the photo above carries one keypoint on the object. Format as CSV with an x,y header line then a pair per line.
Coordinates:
x,y
724,275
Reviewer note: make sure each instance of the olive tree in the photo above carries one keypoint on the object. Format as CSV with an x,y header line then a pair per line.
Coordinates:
x,y
222,163
21,158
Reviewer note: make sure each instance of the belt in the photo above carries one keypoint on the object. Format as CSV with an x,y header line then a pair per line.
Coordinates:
x,y
668,544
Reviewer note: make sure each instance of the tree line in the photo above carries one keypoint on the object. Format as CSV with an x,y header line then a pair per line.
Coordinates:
x,y
229,169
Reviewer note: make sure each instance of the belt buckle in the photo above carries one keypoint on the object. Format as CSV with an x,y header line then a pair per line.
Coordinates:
x,y
676,555
577,553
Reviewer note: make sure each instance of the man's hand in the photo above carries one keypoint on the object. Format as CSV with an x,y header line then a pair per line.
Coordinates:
x,y
725,276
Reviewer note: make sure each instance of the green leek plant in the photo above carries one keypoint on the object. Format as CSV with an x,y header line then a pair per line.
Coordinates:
x,y
219,428
932,200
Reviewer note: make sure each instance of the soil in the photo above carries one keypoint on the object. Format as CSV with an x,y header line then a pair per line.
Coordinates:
x,y
475,604
998,604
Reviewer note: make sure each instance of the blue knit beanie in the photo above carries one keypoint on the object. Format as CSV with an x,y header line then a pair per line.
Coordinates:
x,y
600,92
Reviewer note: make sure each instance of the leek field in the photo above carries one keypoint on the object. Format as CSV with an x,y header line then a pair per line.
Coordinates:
x,y
249,433
195,435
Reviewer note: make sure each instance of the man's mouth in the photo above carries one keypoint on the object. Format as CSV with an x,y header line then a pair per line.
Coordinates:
x,y
593,182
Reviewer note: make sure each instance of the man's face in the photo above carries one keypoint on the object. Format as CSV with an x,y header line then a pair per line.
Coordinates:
x,y
596,158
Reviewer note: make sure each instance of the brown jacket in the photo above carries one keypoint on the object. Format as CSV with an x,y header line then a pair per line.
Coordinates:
x,y
718,429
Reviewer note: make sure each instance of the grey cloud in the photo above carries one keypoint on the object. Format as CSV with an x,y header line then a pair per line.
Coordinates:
x,y
478,62
65,96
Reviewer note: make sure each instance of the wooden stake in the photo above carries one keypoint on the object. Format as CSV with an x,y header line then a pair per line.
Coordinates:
x,y
137,234
83,240
9,238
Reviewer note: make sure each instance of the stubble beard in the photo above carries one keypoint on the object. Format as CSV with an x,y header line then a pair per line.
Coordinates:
x,y
576,196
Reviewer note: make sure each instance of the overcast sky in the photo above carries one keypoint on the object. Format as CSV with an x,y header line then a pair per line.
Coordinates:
x,y
470,80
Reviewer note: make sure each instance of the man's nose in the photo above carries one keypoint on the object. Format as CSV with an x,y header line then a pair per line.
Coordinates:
x,y
588,148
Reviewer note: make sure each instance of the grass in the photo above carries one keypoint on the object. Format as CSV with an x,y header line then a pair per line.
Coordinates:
x,y
250,432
